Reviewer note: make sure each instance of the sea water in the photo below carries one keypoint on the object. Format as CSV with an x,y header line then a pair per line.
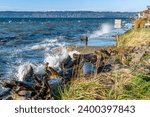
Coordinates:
x,y
25,42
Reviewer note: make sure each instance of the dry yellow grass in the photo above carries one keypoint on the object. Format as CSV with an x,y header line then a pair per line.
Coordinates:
x,y
135,37
85,89
139,23
127,85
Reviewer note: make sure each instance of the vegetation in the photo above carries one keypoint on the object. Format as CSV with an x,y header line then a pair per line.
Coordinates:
x,y
139,23
129,83
134,37
147,55
137,87
85,90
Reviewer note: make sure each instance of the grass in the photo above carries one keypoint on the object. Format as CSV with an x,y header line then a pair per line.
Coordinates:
x,y
126,87
140,23
137,88
147,56
84,90
129,84
134,37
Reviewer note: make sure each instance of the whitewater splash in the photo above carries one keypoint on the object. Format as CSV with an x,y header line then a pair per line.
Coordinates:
x,y
104,29
46,44
54,60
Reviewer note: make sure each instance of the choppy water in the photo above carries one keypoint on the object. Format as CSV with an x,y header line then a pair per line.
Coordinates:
x,y
30,41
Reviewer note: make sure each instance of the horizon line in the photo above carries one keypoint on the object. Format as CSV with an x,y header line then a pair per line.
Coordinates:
x,y
66,11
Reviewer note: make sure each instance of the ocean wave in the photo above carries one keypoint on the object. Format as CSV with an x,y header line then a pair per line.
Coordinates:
x,y
24,69
46,44
54,60
104,29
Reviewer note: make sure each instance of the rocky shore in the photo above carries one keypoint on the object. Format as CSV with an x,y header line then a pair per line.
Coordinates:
x,y
93,73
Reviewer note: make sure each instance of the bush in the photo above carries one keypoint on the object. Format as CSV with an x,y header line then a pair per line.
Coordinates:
x,y
140,23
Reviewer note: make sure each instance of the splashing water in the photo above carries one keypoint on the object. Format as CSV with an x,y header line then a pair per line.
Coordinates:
x,y
23,70
104,29
54,60
46,44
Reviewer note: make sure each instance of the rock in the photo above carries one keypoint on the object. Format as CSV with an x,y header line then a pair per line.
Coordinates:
x,y
90,58
27,85
8,98
76,56
55,82
50,72
8,84
56,87
28,75
85,57
67,74
5,94
107,68
67,63
88,68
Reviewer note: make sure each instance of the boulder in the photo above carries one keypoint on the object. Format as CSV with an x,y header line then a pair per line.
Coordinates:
x,y
88,68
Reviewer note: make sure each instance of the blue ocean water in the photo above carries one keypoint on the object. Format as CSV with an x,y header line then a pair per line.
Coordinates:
x,y
30,40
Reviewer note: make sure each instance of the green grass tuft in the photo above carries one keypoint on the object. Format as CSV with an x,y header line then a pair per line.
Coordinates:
x,y
84,90
138,88
147,56
135,88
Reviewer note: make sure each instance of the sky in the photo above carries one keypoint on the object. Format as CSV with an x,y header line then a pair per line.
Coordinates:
x,y
74,5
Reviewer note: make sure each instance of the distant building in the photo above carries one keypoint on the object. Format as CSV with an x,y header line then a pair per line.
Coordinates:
x,y
148,7
145,14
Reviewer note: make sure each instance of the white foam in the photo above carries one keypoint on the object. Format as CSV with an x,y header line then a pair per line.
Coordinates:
x,y
46,44
73,52
104,29
24,69
39,69
54,60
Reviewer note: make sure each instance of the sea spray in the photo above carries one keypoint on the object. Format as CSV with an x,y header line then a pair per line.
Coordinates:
x,y
54,61
24,69
104,29
44,45
73,52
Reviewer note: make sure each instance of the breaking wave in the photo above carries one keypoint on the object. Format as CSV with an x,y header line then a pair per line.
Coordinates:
x,y
46,44
54,60
24,69
104,29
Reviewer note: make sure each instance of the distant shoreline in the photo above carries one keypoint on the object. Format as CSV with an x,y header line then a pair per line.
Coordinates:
x,y
66,14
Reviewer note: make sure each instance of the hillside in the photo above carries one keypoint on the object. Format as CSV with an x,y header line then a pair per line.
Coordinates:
x,y
66,14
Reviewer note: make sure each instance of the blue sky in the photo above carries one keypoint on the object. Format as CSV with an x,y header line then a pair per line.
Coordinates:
x,y
73,5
